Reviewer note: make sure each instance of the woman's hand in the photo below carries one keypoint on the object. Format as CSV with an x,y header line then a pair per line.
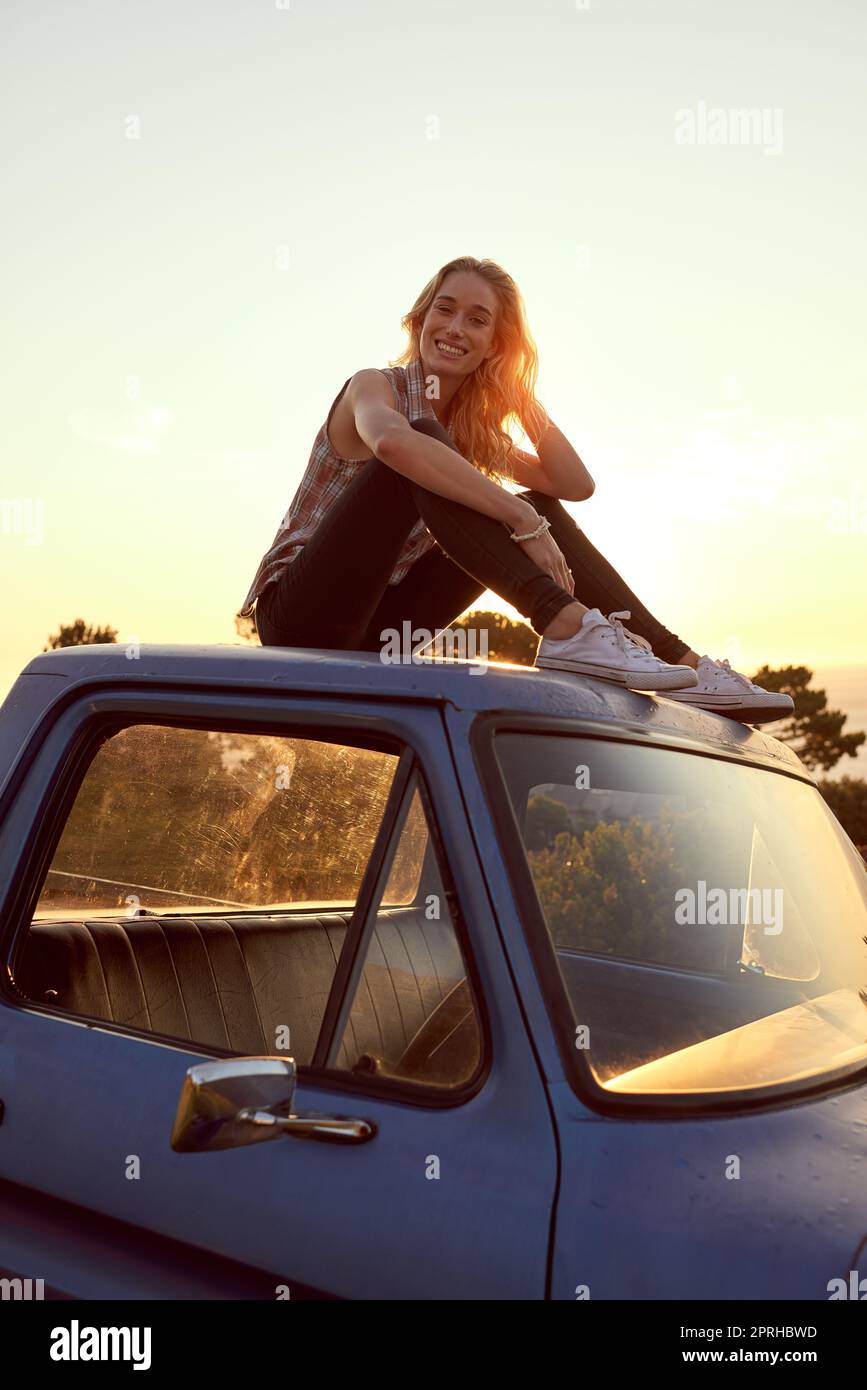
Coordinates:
x,y
544,550
546,553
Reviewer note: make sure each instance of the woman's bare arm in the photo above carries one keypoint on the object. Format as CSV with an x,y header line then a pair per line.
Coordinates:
x,y
555,469
391,438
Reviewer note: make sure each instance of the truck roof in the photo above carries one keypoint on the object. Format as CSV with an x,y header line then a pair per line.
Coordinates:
x,y
465,684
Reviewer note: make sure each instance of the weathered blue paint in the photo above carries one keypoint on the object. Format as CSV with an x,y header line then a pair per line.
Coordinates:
x,y
647,1211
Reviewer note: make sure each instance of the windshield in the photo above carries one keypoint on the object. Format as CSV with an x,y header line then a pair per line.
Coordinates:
x,y
709,919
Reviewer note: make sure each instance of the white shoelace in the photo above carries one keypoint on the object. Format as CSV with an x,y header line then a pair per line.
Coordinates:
x,y
736,675
625,638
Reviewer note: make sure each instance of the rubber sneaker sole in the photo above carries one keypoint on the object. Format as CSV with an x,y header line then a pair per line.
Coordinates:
x,y
746,711
630,680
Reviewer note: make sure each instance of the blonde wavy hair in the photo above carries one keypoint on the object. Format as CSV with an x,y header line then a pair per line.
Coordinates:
x,y
501,389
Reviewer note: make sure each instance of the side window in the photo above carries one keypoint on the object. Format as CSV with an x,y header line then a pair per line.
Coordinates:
x,y
203,886
413,1016
168,818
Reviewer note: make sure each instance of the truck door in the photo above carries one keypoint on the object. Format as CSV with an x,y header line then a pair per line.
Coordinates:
x,y
204,876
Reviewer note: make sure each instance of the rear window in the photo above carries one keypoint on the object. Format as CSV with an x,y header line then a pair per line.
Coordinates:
x,y
210,886
709,919
172,819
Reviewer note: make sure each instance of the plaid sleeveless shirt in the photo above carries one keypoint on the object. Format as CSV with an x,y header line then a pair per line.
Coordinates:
x,y
326,474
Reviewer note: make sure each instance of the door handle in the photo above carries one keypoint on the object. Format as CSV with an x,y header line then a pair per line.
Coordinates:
x,y
245,1100
333,1129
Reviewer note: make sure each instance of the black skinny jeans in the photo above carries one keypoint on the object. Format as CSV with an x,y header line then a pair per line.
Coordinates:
x,y
335,593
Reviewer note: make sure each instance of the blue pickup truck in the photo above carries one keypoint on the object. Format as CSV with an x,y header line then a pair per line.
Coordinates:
x,y
331,978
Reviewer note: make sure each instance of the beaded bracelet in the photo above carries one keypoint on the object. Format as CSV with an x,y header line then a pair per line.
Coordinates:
x,y
544,525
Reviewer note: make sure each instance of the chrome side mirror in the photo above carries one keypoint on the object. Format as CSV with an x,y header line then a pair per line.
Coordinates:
x,y
225,1105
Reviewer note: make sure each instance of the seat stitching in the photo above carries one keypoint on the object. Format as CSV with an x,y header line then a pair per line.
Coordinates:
x,y
95,945
393,990
177,978
424,936
144,996
214,978
411,971
233,929
373,1009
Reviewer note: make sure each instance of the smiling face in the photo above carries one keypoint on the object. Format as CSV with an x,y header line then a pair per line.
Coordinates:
x,y
458,332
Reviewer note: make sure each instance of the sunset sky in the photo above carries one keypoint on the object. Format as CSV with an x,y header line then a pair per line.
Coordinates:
x,y
216,212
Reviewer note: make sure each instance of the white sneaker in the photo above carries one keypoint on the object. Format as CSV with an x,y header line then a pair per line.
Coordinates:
x,y
728,692
602,647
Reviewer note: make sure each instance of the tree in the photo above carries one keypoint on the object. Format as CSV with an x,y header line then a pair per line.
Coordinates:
x,y
848,800
507,640
79,634
814,731
546,819
612,889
